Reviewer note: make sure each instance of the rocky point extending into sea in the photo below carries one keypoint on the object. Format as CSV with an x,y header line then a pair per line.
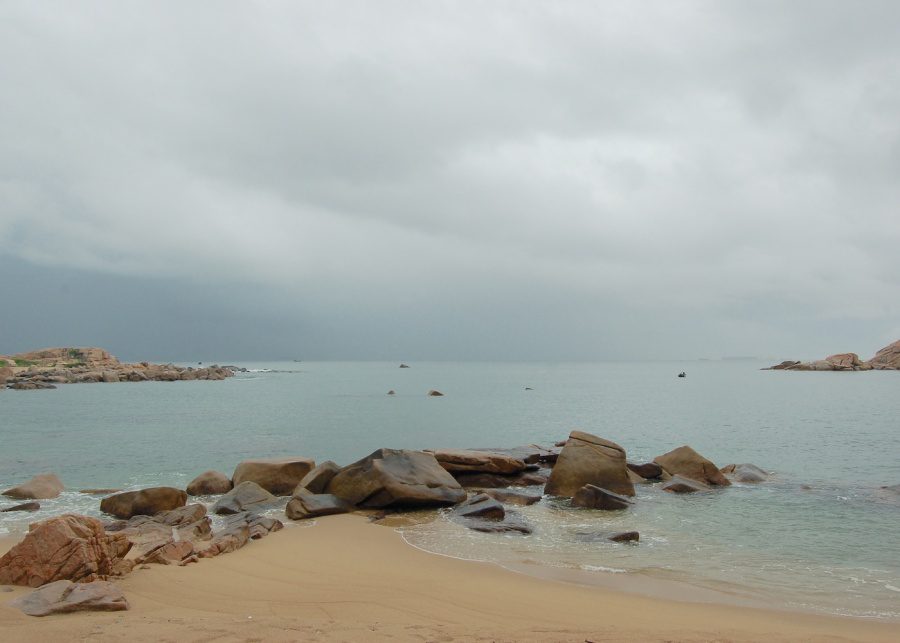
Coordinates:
x,y
887,359
46,368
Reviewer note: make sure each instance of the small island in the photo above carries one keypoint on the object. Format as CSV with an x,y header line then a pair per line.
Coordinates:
x,y
44,369
886,359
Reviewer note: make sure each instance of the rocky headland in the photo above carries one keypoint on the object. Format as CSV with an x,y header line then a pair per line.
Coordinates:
x,y
46,368
886,359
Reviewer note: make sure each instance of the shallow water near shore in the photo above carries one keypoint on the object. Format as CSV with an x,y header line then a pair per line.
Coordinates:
x,y
831,547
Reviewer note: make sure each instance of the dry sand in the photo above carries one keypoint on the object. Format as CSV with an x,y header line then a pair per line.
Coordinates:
x,y
344,579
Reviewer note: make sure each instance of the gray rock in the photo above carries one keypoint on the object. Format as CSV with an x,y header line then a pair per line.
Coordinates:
x,y
594,497
513,497
317,480
65,596
306,504
745,472
245,496
480,506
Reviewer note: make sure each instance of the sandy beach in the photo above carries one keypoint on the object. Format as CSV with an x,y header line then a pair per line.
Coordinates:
x,y
344,579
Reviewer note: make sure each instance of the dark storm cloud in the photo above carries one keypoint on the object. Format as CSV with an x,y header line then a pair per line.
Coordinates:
x,y
572,180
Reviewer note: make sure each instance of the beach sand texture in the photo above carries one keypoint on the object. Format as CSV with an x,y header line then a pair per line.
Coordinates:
x,y
344,579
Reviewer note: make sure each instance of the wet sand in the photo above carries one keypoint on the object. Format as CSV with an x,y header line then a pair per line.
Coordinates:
x,y
345,579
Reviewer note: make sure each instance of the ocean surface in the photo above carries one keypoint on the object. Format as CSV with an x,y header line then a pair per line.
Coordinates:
x,y
821,535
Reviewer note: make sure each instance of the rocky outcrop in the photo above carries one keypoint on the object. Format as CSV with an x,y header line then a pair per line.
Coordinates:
x,y
888,358
680,484
317,480
588,459
306,504
145,502
210,483
68,547
41,487
63,597
244,497
188,523
745,472
465,461
278,476
593,497
238,530
396,478
686,462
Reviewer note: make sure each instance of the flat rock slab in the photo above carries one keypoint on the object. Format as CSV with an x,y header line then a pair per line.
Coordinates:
x,y
41,487
278,476
594,497
245,496
466,461
65,596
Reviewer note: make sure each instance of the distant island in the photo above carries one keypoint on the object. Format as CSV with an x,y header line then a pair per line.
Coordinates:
x,y
887,359
44,369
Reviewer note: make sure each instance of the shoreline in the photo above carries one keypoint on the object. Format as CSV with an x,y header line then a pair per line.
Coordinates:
x,y
318,582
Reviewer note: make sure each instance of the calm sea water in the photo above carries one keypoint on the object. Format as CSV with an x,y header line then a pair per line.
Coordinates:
x,y
832,547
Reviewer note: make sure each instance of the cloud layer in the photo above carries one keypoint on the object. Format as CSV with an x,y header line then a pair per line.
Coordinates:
x,y
499,180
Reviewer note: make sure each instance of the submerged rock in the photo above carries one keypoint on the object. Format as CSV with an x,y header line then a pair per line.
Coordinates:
x,y
616,537
647,470
745,472
480,506
68,547
594,497
41,487
512,497
680,484
64,596
278,476
210,483
145,502
686,462
588,459
396,478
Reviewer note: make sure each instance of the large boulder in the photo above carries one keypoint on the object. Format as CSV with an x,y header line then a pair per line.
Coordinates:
x,y
306,504
465,461
210,483
686,462
396,478
588,459
593,497
279,476
745,472
68,547
245,496
41,487
888,358
145,502
317,480
65,596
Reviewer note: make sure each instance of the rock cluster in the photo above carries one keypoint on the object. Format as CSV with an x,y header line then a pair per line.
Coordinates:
x,y
886,359
46,368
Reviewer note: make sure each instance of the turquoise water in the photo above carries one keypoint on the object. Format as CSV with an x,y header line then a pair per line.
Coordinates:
x,y
833,547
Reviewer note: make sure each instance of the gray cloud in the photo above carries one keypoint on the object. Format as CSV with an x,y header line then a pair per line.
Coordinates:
x,y
499,180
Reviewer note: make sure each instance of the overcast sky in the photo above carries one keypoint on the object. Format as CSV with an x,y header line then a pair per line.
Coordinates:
x,y
461,180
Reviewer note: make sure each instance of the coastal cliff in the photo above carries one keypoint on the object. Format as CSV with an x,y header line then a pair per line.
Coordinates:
x,y
50,366
886,359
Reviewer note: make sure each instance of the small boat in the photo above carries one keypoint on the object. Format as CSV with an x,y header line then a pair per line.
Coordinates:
x,y
682,374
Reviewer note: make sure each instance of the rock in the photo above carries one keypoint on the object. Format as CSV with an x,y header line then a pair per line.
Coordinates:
x,y
403,366
648,470
239,529
110,376
626,537
31,385
594,497
888,358
480,506
433,393
278,476
530,453
783,365
510,524
247,495
65,596
843,361
680,484
463,461
99,492
209,483
317,480
588,459
187,523
396,478
686,462
392,392
168,553
497,481
306,504
68,547
561,443
635,478
41,487
145,502
25,506
510,497
745,472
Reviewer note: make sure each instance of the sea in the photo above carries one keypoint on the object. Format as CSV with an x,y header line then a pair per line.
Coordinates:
x,y
821,535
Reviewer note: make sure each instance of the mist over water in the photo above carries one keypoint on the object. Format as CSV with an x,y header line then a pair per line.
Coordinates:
x,y
829,547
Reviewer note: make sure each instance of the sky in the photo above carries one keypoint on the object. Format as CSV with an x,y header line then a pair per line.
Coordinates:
x,y
450,180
